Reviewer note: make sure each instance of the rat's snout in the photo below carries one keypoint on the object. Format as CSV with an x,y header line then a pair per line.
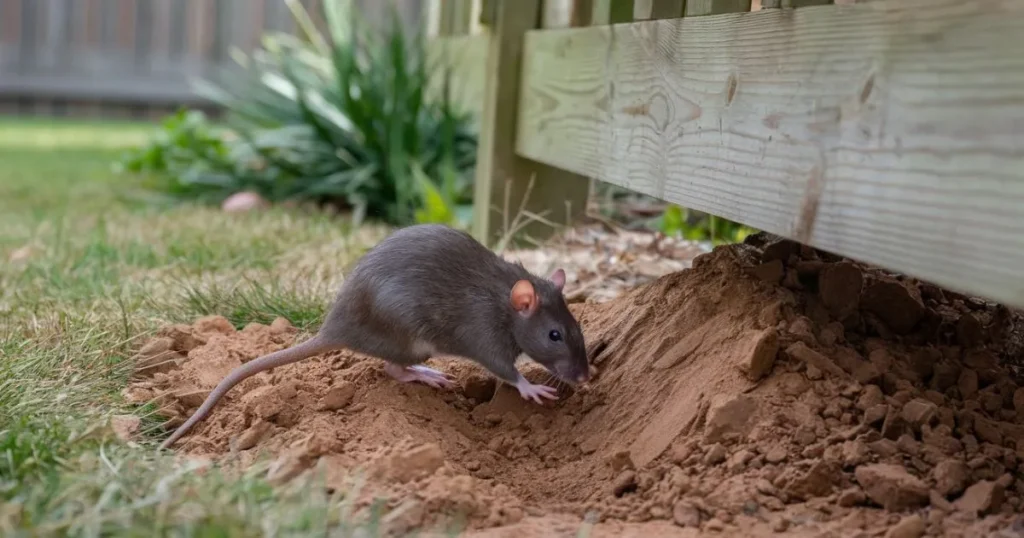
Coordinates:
x,y
575,374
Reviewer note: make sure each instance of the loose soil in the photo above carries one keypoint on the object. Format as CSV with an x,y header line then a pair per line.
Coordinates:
x,y
771,389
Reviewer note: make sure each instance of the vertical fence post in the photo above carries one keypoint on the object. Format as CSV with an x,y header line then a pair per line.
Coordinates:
x,y
503,179
582,13
433,18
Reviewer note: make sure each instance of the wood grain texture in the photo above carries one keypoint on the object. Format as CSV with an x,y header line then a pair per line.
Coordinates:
x,y
891,132
467,57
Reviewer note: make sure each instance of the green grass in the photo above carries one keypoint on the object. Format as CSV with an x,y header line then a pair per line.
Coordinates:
x,y
88,267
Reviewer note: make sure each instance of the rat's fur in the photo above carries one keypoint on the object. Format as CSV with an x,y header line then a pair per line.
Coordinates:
x,y
428,290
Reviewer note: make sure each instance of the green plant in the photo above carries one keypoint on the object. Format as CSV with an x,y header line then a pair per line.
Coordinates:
x,y
441,204
681,222
182,136
347,118
190,157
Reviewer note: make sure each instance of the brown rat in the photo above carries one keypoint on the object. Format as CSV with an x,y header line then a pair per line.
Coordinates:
x,y
429,290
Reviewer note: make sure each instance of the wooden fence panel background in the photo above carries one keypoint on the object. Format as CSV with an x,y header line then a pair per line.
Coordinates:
x,y
134,57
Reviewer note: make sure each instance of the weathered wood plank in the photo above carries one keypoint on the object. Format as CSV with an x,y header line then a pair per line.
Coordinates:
x,y
28,43
126,29
582,12
160,40
10,28
242,29
461,15
557,14
143,35
467,57
476,10
199,27
503,179
178,27
10,39
889,132
124,87
434,18
159,57
54,52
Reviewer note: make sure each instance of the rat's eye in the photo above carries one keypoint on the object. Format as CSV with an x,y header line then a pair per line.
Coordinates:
x,y
555,336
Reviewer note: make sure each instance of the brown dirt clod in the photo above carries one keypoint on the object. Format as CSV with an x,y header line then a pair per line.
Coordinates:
x,y
892,486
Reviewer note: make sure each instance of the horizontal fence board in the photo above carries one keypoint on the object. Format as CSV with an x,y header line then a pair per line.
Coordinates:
x,y
467,56
84,87
889,132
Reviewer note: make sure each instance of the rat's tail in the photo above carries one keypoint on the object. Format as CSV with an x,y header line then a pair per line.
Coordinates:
x,y
309,348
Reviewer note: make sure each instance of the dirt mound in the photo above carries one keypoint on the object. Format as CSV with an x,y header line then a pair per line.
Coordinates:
x,y
771,388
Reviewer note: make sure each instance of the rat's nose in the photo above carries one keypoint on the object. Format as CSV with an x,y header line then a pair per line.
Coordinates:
x,y
583,378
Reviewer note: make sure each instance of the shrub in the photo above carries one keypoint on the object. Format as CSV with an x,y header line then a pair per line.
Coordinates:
x,y
698,226
347,119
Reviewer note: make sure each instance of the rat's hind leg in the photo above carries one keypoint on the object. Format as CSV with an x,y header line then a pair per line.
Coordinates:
x,y
418,372
402,360
408,371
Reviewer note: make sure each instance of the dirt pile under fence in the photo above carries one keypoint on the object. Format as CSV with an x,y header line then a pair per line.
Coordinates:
x,y
770,389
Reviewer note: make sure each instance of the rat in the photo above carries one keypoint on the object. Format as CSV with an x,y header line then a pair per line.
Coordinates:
x,y
428,290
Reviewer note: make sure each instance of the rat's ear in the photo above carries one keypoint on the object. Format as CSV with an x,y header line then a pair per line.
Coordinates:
x,y
558,277
523,297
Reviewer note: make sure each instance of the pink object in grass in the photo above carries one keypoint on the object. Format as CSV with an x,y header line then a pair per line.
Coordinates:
x,y
243,201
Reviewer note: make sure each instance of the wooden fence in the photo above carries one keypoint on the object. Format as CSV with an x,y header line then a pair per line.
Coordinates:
x,y
889,131
117,57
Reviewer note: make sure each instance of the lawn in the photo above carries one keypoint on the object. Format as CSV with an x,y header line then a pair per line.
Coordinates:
x,y
89,266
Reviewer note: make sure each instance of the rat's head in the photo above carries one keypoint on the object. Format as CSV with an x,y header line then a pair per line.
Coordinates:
x,y
546,330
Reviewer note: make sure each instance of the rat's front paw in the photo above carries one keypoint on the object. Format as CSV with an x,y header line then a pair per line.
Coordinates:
x,y
529,391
